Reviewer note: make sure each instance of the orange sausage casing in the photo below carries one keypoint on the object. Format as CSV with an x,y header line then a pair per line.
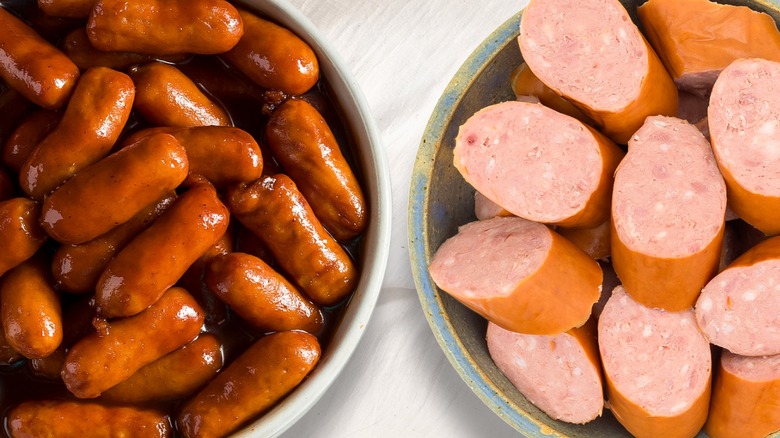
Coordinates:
x,y
77,268
164,27
302,142
49,418
95,116
113,190
155,259
20,233
274,209
525,83
257,379
167,97
174,375
696,39
32,66
260,295
30,309
26,137
274,57
101,360
222,155
8,355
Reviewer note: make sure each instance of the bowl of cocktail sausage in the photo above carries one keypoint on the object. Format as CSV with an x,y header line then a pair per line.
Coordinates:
x,y
190,237
594,214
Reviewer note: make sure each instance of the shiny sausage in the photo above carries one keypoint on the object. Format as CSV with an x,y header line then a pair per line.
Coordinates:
x,y
99,361
743,118
48,418
274,57
521,275
668,214
8,355
20,233
538,164
26,137
76,268
274,209
617,85
155,259
167,97
254,382
174,375
32,66
92,122
163,27
260,295
79,49
67,8
561,374
222,155
303,144
658,368
30,309
113,190
697,39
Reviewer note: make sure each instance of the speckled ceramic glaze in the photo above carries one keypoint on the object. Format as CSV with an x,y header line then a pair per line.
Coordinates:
x,y
376,246
440,200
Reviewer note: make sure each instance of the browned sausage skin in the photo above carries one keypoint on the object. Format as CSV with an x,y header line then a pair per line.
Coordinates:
x,y
274,209
32,66
101,360
113,190
163,27
301,140
167,97
67,8
47,418
155,259
20,234
26,137
273,57
260,295
76,268
92,122
223,155
257,379
174,375
30,309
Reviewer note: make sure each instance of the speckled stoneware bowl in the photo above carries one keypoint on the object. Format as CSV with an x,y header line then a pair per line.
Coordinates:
x,y
376,185
440,201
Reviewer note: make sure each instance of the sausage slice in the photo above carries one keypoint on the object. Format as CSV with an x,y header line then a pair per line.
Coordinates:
x,y
538,164
591,53
744,120
518,274
658,368
668,214
740,308
561,374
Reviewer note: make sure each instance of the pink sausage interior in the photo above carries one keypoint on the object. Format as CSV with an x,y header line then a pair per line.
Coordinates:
x,y
744,121
552,372
490,257
590,51
739,309
533,161
669,198
753,368
657,359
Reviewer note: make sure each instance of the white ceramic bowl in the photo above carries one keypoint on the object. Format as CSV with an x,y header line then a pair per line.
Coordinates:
x,y
373,260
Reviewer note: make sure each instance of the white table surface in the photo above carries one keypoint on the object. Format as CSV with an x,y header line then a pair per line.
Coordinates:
x,y
399,383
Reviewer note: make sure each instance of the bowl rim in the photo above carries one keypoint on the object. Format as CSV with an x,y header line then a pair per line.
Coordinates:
x,y
420,251
377,186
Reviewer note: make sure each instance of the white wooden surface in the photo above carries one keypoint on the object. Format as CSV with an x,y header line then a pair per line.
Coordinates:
x,y
399,383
